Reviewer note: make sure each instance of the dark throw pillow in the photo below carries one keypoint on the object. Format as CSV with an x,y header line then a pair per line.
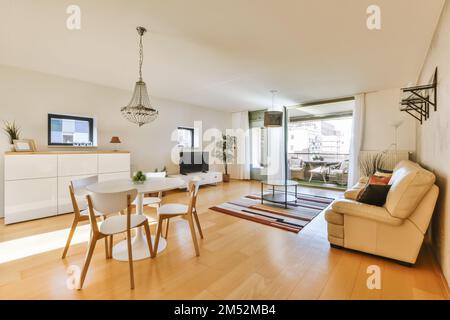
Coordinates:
x,y
374,194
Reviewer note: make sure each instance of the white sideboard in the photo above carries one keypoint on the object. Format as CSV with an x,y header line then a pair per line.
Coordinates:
x,y
37,183
210,177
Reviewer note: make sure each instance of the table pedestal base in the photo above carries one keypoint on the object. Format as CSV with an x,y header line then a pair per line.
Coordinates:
x,y
139,247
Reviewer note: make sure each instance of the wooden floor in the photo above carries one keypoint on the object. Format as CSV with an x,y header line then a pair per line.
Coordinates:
x,y
238,259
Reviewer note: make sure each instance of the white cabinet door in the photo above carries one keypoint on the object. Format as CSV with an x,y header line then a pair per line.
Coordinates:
x,y
113,176
31,166
30,199
108,163
77,164
64,200
215,177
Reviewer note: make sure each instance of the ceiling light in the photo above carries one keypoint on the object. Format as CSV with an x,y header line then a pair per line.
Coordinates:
x,y
139,110
273,118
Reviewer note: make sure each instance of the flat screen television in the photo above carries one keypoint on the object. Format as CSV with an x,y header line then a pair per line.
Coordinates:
x,y
194,162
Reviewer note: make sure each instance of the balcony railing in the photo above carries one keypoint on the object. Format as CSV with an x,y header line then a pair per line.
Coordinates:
x,y
327,157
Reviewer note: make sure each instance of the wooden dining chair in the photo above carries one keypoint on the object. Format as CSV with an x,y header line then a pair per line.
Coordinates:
x,y
78,192
109,203
171,210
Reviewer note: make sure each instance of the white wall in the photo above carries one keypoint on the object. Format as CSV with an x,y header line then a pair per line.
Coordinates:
x,y
27,97
433,138
382,109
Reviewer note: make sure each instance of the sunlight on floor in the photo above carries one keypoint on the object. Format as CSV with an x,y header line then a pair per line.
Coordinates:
x,y
31,245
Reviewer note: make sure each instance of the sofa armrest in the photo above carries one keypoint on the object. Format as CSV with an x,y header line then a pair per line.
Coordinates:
x,y
365,211
353,192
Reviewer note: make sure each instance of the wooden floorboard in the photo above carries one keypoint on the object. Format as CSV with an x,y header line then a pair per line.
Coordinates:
x,y
239,259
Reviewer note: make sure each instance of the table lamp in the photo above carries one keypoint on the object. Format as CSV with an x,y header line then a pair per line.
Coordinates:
x,y
115,140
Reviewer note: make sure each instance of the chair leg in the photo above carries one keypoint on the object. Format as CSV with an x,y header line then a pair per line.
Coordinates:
x,y
87,260
158,235
130,258
111,241
194,237
106,248
167,228
69,239
197,221
149,238
106,241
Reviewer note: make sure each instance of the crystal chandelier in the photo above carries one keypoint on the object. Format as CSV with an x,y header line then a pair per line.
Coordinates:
x,y
139,110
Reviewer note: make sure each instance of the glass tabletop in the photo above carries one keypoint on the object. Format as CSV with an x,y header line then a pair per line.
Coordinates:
x,y
280,182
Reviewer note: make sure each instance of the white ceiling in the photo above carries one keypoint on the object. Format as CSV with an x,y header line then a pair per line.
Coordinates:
x,y
225,54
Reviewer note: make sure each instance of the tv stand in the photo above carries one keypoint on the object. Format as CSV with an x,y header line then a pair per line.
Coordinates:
x,y
209,177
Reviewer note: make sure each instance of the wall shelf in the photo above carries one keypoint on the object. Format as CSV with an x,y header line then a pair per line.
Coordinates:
x,y
418,99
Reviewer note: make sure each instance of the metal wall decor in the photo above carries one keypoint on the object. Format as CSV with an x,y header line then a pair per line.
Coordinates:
x,y
418,99
139,110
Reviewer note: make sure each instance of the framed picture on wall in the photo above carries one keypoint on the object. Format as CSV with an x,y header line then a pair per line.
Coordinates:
x,y
24,145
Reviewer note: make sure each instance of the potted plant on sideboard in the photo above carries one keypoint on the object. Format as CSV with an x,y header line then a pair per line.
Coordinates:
x,y
12,130
224,151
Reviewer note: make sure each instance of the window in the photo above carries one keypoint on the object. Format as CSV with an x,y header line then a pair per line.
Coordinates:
x,y
186,137
64,130
324,137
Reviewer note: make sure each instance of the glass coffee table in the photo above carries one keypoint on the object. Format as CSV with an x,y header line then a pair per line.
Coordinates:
x,y
279,196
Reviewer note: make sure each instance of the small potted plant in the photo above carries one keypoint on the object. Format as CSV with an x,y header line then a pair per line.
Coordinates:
x,y
12,131
139,178
224,151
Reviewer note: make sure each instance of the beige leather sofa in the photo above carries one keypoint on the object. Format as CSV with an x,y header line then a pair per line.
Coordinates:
x,y
395,230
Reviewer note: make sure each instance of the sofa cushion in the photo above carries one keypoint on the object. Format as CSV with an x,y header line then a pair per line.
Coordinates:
x,y
379,180
409,184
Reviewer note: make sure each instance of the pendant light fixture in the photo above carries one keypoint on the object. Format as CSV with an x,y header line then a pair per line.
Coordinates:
x,y
139,110
273,118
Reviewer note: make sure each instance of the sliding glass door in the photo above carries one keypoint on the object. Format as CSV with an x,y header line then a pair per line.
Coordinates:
x,y
319,138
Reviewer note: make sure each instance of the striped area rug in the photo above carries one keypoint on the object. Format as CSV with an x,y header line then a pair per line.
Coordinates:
x,y
293,219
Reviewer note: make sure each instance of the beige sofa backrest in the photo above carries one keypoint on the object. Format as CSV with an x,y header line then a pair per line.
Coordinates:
x,y
409,184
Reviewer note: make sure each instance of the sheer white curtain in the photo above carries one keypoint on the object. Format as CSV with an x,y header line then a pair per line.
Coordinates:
x,y
357,137
240,124
275,157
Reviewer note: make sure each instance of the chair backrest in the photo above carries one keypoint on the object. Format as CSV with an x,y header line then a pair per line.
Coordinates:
x,y
79,185
77,188
107,203
194,186
156,174
345,165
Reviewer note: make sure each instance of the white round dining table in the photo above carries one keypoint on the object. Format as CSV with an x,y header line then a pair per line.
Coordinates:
x,y
151,185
